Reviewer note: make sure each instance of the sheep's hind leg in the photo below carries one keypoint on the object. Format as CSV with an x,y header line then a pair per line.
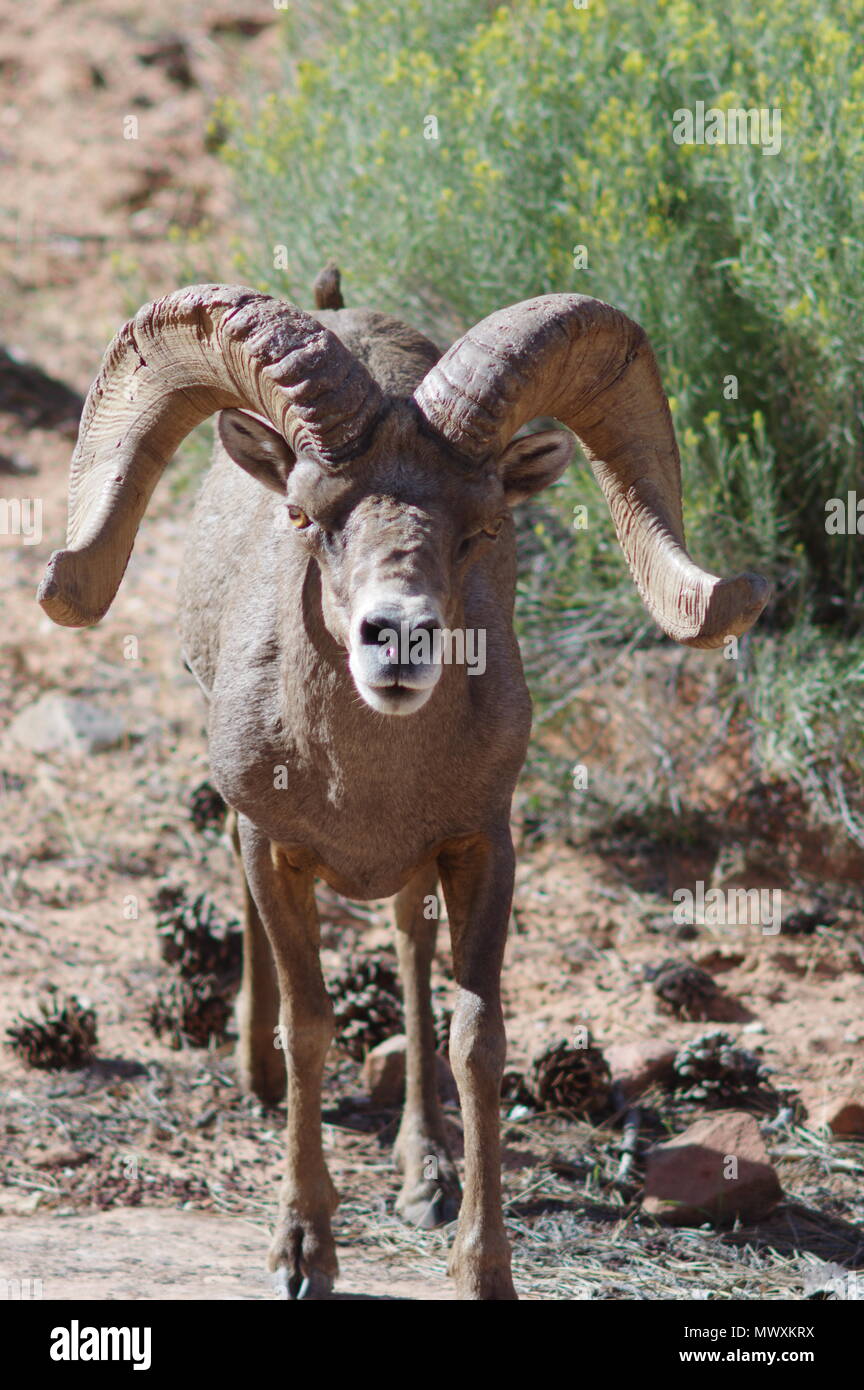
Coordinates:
x,y
302,1252
430,1192
260,1063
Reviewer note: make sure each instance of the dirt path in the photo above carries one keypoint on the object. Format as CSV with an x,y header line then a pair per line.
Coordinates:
x,y
171,1255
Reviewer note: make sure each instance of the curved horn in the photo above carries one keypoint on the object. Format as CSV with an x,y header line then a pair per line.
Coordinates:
x,y
592,368
198,350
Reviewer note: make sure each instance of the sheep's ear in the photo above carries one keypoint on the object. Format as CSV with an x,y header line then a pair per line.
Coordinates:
x,y
533,462
257,447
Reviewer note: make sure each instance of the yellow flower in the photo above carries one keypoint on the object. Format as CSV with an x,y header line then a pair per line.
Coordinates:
x,y
793,312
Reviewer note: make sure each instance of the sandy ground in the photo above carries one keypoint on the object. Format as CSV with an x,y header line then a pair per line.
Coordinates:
x,y
151,1254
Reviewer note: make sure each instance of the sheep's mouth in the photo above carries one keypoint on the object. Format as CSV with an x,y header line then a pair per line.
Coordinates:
x,y
394,698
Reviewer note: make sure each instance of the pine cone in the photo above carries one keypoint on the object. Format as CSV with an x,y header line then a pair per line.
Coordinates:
x,y
191,1011
206,807
713,1067
804,922
61,1038
367,1003
515,1090
683,989
571,1078
193,935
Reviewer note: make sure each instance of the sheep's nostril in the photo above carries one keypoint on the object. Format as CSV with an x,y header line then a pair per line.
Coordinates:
x,y
382,634
394,637
370,632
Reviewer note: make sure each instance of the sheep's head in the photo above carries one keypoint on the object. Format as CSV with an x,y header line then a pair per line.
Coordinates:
x,y
395,499
394,537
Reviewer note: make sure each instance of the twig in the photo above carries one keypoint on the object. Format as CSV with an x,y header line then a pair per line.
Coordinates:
x,y
20,923
852,827
632,1122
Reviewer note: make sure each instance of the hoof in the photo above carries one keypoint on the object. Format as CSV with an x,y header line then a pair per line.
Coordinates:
x,y
502,1292
480,1266
293,1287
264,1079
428,1206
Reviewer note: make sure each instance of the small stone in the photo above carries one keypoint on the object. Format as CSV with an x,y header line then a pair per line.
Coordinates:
x,y
842,1115
58,1157
58,723
170,54
384,1073
717,1170
229,23
16,464
637,1065
521,1112
823,1040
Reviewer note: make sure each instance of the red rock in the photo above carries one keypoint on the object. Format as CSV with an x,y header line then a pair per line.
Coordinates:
x,y
843,1115
384,1073
690,1179
637,1065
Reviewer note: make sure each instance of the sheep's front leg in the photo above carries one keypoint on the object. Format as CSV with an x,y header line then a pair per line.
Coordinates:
x,y
430,1192
302,1251
477,877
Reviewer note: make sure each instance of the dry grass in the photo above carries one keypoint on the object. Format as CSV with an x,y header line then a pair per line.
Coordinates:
x,y
183,1135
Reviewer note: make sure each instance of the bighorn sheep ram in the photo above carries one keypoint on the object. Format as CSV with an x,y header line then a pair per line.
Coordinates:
x,y
396,469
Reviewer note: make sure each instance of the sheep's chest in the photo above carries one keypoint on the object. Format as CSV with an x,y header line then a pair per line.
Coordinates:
x,y
366,800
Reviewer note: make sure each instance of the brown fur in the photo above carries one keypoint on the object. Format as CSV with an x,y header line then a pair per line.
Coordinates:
x,y
375,806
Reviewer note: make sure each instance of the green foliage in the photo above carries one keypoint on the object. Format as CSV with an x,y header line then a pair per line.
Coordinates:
x,y
807,702
554,132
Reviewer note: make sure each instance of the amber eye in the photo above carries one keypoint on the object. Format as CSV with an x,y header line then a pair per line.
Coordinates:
x,y
298,518
494,529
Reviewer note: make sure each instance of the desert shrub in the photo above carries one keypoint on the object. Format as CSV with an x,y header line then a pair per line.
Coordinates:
x,y
554,133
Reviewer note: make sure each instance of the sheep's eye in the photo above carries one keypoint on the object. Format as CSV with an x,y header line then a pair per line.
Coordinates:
x,y
493,530
298,518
